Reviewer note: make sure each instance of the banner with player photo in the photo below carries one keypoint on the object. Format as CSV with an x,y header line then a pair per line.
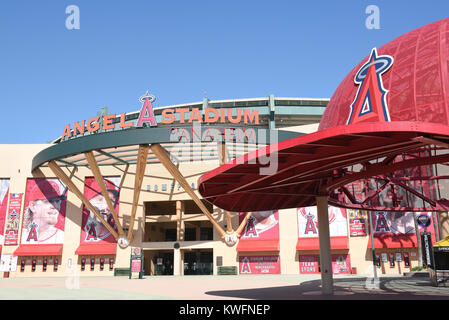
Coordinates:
x,y
394,229
261,225
92,230
44,211
308,222
4,190
261,232
260,264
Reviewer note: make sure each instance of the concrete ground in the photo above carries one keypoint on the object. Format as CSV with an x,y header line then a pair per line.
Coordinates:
x,y
254,287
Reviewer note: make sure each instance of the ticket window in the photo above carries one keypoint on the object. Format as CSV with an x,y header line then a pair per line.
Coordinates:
x,y
391,258
406,259
33,265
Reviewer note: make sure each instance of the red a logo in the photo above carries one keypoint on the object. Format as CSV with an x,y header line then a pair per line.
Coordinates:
x,y
370,104
310,225
250,229
91,232
32,235
146,113
381,223
245,266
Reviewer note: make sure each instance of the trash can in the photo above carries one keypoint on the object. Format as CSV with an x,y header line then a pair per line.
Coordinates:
x,y
353,270
6,274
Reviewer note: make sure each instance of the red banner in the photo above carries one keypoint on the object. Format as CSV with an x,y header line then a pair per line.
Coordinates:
x,y
13,218
260,264
4,190
44,213
309,263
92,230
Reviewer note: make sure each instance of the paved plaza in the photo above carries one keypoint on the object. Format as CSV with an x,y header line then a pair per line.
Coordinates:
x,y
266,287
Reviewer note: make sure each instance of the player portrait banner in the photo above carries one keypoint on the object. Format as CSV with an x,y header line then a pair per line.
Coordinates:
x,y
92,230
44,213
308,222
260,225
4,190
260,264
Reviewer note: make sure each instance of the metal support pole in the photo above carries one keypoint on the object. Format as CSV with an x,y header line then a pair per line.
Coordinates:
x,y
327,283
372,246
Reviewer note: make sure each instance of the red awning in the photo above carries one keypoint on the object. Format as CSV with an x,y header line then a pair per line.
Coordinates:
x,y
258,245
307,163
39,250
104,248
313,243
394,241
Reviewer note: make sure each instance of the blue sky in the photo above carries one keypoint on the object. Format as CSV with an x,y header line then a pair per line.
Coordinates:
x,y
51,76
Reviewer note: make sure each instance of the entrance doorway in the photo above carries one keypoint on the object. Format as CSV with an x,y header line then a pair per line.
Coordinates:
x,y
198,262
161,263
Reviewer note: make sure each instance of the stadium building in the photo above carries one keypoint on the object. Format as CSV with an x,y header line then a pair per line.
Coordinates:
x,y
117,194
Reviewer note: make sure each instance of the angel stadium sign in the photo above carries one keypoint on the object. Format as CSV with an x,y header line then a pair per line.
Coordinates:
x,y
146,118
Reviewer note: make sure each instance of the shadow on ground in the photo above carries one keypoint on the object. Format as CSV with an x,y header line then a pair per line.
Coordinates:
x,y
400,288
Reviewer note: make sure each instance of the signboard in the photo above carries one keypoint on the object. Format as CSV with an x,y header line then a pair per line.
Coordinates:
x,y
4,189
423,220
44,214
260,264
12,219
341,264
136,262
427,254
168,116
8,263
308,263
136,265
357,223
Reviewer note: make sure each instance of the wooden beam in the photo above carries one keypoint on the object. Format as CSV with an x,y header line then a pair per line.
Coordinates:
x,y
100,181
243,224
163,157
142,157
222,157
73,188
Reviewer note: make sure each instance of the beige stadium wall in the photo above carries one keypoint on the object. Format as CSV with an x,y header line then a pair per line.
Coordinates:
x,y
15,164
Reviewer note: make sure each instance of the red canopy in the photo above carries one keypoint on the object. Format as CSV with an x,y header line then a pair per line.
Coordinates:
x,y
314,164
96,249
258,245
39,250
313,243
394,241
